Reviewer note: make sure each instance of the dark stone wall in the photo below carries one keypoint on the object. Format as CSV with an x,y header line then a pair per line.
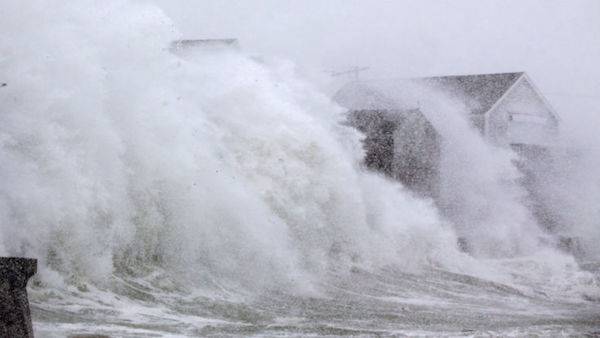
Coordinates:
x,y
15,317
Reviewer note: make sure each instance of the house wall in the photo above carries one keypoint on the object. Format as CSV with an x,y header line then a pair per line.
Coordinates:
x,y
378,143
522,118
478,122
401,144
417,153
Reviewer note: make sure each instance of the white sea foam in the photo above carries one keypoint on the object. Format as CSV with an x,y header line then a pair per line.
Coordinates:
x,y
217,175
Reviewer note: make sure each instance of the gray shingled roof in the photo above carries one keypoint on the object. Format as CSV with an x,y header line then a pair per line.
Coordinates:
x,y
485,89
480,92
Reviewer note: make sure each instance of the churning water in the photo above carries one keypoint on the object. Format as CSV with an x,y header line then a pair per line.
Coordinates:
x,y
214,194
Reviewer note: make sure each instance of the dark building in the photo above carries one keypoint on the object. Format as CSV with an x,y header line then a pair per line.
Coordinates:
x,y
401,144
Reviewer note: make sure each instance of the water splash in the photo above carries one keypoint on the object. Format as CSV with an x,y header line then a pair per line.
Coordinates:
x,y
133,173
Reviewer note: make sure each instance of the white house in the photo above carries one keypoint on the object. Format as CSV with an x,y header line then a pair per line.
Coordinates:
x,y
402,142
506,108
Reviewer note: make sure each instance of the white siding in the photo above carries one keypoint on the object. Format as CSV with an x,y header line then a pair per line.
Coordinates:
x,y
522,117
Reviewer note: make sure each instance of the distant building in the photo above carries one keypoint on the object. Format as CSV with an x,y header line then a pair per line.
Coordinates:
x,y
190,47
507,109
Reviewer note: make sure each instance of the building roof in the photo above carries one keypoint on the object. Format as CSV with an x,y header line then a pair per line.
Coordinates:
x,y
484,89
480,91
205,44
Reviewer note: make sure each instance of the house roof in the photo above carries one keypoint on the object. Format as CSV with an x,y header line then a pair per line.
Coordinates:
x,y
484,89
480,91
206,44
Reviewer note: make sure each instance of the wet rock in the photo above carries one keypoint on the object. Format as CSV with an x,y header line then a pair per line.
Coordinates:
x,y
15,317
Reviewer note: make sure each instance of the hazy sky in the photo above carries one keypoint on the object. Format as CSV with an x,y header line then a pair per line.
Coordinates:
x,y
556,42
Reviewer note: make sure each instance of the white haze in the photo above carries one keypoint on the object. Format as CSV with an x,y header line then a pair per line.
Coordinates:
x,y
116,152
120,160
556,42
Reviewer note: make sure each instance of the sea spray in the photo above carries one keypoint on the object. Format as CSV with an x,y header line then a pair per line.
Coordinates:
x,y
481,192
121,154
475,184
480,188
171,192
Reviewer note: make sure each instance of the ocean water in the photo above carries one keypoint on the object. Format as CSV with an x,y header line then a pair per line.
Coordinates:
x,y
213,194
